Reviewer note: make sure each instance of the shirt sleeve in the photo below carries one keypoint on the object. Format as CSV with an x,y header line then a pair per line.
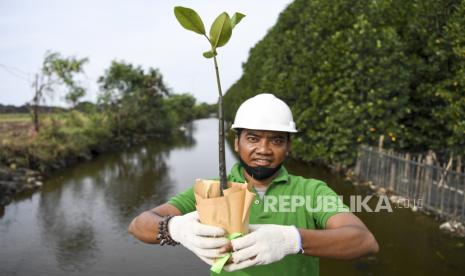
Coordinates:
x,y
328,204
184,202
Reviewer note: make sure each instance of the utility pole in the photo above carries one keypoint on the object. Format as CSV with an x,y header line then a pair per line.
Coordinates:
x,y
36,100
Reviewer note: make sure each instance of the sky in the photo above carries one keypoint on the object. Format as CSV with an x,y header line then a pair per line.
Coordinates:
x,y
141,32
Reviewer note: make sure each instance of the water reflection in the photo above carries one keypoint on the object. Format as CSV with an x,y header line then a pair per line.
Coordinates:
x,y
121,184
71,236
76,225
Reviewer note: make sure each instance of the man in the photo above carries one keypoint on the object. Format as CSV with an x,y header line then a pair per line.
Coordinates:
x,y
284,240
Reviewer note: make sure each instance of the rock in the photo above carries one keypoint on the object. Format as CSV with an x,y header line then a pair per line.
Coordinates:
x,y
21,171
7,187
453,227
397,199
446,226
380,192
32,173
55,166
17,180
85,156
364,184
29,186
5,175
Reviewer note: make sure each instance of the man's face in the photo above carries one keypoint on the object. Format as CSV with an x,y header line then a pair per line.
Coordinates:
x,y
262,148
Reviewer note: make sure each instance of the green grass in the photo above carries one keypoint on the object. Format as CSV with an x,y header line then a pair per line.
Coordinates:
x,y
61,135
14,117
25,117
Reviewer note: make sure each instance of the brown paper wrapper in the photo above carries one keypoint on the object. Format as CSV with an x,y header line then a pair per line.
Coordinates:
x,y
231,211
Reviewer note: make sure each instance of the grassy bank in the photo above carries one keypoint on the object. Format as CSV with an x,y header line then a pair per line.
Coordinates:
x,y
64,138
15,117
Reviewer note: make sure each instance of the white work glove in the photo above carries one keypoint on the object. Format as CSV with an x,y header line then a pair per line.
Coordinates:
x,y
266,243
203,240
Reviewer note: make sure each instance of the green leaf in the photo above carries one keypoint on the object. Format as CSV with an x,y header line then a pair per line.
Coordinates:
x,y
236,18
189,19
220,31
209,54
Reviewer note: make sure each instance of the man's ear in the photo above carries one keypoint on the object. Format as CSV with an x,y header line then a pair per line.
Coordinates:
x,y
289,147
236,144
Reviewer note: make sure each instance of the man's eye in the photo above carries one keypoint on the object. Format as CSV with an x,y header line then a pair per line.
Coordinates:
x,y
252,139
278,141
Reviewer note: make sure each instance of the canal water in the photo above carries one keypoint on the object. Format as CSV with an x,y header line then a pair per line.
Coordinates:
x,y
77,223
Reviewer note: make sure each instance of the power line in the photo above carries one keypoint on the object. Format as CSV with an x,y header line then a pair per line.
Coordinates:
x,y
16,69
16,72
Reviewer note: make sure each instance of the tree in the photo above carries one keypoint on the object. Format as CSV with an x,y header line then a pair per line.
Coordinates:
x,y
180,108
204,110
133,98
57,71
354,70
451,90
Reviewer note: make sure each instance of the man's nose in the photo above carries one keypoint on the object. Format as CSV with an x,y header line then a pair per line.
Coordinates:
x,y
263,147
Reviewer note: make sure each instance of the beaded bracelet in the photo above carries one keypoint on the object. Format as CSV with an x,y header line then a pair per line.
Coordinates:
x,y
163,234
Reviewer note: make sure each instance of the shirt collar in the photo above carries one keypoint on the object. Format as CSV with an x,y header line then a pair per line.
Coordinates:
x,y
237,174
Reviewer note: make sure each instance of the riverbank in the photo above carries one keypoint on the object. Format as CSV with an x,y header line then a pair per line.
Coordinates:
x,y
16,180
451,225
65,139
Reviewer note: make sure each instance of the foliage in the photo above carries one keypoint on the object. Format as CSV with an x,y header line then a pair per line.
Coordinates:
x,y
220,33
134,103
189,19
180,108
220,30
354,70
63,137
60,70
133,98
204,110
56,71
86,107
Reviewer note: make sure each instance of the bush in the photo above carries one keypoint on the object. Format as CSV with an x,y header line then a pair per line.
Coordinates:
x,y
354,70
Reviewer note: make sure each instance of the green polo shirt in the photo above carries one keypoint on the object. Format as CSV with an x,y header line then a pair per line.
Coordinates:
x,y
282,204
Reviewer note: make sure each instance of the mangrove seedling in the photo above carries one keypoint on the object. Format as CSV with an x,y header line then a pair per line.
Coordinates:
x,y
220,33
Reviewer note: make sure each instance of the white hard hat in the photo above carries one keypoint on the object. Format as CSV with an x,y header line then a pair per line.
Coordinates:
x,y
264,112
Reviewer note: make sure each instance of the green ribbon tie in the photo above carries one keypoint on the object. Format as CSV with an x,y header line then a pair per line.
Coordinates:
x,y
219,264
